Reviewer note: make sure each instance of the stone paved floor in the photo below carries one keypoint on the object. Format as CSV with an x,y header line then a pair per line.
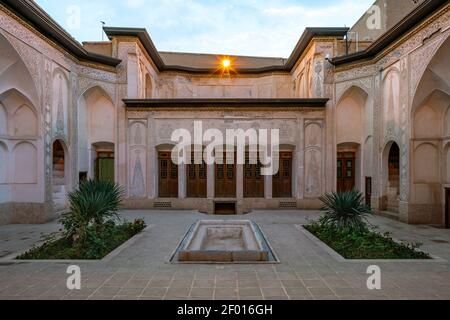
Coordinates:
x,y
306,272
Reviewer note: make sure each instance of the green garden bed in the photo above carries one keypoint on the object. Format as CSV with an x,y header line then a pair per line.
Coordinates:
x,y
95,247
365,244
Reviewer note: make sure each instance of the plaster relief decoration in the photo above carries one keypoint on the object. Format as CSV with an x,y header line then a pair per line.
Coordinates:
x,y
137,153
48,129
391,103
318,79
313,159
60,104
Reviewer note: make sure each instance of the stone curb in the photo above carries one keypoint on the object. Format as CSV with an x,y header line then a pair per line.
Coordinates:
x,y
11,259
336,256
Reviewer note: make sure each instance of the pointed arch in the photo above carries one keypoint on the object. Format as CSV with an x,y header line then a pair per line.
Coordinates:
x,y
14,73
22,118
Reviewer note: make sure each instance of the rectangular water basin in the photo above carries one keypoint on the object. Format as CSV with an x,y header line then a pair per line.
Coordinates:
x,y
224,241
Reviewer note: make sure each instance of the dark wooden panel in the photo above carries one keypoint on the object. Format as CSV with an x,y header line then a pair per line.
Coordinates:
x,y
253,180
369,191
346,171
225,184
282,181
168,176
447,208
197,179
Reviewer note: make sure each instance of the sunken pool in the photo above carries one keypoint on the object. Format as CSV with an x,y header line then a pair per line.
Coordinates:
x,y
222,241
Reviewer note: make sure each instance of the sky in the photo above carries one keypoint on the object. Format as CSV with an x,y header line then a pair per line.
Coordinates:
x,y
269,28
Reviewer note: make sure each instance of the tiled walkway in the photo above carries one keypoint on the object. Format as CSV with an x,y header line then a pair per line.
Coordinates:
x,y
307,271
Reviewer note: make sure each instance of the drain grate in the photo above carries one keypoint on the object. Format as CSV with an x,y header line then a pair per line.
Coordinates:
x,y
288,205
162,205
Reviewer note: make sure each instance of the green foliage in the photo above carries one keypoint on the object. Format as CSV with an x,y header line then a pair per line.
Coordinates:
x,y
364,243
96,245
345,210
94,203
90,230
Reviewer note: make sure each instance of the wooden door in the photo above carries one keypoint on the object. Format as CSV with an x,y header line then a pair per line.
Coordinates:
x,y
168,176
346,171
225,185
196,179
105,166
253,180
369,191
447,208
282,181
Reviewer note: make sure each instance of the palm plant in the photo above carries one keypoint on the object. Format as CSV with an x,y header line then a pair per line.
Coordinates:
x,y
93,203
345,210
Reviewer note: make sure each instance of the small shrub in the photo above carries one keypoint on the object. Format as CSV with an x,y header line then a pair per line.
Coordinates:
x,y
94,203
345,210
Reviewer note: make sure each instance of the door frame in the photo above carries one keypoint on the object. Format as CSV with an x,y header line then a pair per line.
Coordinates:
x,y
225,164
277,193
341,156
447,208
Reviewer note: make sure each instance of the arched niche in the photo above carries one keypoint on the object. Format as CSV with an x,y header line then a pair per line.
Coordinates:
x,y
426,163
19,115
25,122
351,116
25,163
14,73
430,118
391,177
96,125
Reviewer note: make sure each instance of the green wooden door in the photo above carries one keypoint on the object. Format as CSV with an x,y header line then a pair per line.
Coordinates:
x,y
106,169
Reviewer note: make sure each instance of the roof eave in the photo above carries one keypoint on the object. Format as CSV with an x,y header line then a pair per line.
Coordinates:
x,y
39,19
220,103
410,21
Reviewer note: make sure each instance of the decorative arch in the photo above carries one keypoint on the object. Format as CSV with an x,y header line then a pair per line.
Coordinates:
x,y
350,115
391,177
15,73
423,58
21,117
426,163
25,163
25,122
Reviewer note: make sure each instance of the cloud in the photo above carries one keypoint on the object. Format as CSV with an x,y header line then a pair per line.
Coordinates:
x,y
252,27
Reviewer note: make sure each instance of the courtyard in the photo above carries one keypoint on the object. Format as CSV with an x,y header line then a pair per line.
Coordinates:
x,y
142,271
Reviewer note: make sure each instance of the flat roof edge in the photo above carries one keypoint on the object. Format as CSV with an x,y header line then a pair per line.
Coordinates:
x,y
30,12
218,103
